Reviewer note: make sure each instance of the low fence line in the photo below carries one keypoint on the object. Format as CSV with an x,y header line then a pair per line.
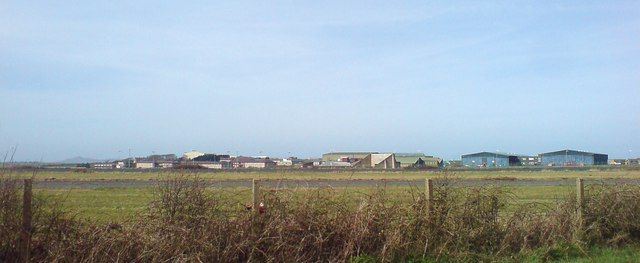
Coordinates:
x,y
257,203
294,183
428,189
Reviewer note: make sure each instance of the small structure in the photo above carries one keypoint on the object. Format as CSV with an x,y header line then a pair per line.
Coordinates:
x,y
252,163
144,163
165,164
284,162
108,165
210,157
629,162
120,165
308,165
527,160
573,158
336,164
453,163
210,164
155,161
260,164
618,162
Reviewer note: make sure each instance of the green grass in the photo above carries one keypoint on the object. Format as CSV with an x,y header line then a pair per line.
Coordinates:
x,y
559,254
121,204
609,255
343,175
108,204
573,254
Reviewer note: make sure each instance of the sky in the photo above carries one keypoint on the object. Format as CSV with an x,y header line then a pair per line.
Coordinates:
x,y
101,79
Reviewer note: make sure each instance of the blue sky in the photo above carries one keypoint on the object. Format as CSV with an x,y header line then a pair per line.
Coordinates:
x,y
96,78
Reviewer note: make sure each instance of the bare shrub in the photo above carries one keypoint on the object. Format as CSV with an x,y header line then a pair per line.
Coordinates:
x,y
10,219
612,215
188,222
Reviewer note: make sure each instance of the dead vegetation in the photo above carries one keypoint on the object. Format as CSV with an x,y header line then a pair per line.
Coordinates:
x,y
186,222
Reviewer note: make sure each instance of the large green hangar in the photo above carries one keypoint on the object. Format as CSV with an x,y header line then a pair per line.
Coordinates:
x,y
573,158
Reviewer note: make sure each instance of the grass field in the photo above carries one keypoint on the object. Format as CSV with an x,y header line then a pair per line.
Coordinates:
x,y
121,204
314,175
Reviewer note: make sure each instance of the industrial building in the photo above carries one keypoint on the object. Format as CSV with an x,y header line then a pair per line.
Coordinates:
x,y
192,154
490,159
144,163
250,162
345,156
573,158
417,160
377,161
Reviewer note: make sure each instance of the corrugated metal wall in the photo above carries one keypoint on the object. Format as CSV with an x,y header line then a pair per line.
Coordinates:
x,y
600,159
488,160
562,159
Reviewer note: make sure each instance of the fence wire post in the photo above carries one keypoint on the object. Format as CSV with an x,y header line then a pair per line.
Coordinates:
x,y
25,234
580,198
256,195
428,187
578,231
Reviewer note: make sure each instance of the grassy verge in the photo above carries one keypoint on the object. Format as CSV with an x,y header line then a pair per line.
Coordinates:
x,y
565,253
607,255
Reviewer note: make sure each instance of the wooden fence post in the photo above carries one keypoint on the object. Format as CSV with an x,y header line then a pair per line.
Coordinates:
x,y
256,195
428,187
578,234
25,234
580,197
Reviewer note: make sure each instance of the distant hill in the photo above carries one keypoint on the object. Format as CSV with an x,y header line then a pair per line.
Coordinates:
x,y
80,159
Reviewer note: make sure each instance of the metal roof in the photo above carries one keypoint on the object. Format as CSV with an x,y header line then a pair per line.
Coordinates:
x,y
573,152
414,159
412,155
348,153
407,159
496,154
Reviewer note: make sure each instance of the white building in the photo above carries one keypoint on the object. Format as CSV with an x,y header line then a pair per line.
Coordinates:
x,y
284,162
144,164
102,165
192,154
209,165
120,165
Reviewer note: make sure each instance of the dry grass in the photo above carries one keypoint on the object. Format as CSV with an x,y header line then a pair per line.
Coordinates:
x,y
184,222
